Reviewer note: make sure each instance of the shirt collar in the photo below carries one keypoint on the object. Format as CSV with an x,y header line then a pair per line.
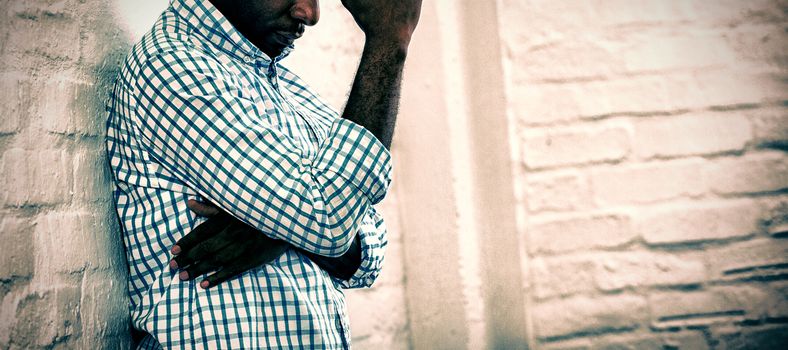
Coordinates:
x,y
216,29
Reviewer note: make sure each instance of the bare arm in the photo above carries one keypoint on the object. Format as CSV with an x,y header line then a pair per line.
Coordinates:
x,y
374,97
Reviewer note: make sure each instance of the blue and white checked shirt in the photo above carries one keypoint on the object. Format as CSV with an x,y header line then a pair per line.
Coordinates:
x,y
199,112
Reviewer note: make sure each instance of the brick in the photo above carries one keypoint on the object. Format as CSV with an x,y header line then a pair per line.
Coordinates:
x,y
539,104
104,25
770,126
579,233
688,223
49,30
647,183
35,177
615,271
572,146
531,22
759,44
683,340
66,106
775,221
72,241
775,306
104,293
592,56
15,177
14,101
17,258
770,337
557,192
585,41
584,58
562,275
706,307
583,315
92,177
761,302
657,51
757,259
752,173
690,135
60,242
46,317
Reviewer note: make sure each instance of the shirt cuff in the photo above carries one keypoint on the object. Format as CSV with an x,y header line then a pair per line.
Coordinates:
x,y
353,153
373,247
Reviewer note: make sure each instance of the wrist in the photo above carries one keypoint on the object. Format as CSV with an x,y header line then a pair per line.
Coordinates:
x,y
382,48
393,42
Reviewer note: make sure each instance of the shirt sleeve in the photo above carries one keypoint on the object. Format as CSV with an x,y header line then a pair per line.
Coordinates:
x,y
373,247
202,129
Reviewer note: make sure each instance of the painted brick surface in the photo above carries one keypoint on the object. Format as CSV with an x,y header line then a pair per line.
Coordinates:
x,y
650,143
662,125
63,278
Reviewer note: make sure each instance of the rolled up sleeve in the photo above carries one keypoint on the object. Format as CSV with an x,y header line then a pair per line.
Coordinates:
x,y
201,128
373,247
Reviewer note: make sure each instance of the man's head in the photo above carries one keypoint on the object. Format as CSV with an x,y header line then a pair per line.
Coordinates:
x,y
271,25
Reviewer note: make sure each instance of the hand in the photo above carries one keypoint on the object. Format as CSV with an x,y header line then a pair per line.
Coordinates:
x,y
386,19
222,243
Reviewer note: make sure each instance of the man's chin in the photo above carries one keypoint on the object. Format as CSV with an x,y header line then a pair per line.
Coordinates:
x,y
274,49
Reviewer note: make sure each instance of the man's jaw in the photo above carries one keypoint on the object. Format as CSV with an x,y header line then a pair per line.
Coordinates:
x,y
279,39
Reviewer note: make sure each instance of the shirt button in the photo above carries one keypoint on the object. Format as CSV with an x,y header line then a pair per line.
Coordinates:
x,y
248,59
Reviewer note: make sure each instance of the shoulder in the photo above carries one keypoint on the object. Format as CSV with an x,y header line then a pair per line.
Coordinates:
x,y
171,46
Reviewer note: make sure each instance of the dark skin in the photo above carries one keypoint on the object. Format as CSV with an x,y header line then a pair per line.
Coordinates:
x,y
231,247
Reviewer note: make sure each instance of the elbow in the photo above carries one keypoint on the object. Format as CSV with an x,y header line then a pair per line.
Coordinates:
x,y
339,232
339,242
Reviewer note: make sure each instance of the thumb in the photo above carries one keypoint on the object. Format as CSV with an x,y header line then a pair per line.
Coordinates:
x,y
203,209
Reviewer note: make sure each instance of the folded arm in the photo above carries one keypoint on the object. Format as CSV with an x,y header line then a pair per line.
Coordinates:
x,y
373,100
202,129
228,245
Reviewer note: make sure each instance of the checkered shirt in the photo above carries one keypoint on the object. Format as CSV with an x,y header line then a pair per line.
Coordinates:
x,y
199,112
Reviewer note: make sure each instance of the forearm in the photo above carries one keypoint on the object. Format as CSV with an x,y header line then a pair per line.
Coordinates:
x,y
374,97
360,265
342,267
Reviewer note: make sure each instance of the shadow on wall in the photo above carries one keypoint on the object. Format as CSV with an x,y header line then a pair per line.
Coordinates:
x,y
103,307
115,27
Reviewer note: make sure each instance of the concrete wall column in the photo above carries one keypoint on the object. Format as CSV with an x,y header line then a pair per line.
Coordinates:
x,y
457,204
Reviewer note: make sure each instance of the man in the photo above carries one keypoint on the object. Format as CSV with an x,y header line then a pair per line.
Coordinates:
x,y
202,111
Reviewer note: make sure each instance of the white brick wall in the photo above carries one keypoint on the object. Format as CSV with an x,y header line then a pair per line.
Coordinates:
x,y
653,168
648,144
62,273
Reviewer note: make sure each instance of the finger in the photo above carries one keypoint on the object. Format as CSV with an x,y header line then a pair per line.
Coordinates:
x,y
203,208
197,269
252,257
225,274
202,232
202,251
